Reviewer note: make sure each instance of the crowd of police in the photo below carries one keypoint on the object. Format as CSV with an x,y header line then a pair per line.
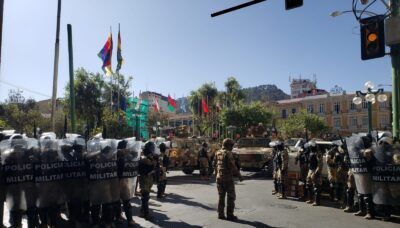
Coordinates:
x,y
364,166
73,183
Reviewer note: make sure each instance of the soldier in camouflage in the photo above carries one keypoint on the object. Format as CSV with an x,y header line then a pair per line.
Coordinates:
x,y
146,172
302,158
332,172
283,162
314,178
204,161
226,169
161,171
275,171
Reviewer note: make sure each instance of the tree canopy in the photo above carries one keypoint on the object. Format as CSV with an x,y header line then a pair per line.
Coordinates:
x,y
296,124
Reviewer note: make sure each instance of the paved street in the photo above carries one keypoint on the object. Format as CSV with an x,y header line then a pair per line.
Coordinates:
x,y
192,202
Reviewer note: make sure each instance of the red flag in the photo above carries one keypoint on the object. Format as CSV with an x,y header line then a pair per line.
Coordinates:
x,y
171,101
156,105
204,104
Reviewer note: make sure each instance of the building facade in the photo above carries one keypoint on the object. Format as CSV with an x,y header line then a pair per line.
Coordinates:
x,y
339,112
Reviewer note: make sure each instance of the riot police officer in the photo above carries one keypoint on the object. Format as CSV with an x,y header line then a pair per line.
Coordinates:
x,y
314,178
331,161
146,171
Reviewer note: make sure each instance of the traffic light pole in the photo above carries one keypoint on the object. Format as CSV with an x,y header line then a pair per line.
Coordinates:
x,y
395,55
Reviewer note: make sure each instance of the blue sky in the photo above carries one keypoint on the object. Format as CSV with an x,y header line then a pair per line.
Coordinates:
x,y
174,46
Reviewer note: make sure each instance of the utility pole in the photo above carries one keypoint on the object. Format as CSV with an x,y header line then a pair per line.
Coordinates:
x,y
1,25
55,75
395,55
71,80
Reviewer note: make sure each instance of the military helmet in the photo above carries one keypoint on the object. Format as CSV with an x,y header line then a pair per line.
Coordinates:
x,y
228,143
149,148
204,144
162,147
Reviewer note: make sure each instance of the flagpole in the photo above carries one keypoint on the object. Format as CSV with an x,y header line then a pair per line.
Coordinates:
x,y
55,72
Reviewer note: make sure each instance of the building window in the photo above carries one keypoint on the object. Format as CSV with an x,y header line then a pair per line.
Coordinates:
x,y
382,104
310,108
321,108
284,114
364,104
364,121
336,107
293,110
383,120
337,123
352,106
353,122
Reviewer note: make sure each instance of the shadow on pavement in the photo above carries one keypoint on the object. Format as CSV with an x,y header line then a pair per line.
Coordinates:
x,y
189,179
253,224
162,221
178,199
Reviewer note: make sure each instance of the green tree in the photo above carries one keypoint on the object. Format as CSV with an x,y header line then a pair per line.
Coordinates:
x,y
234,93
203,121
296,124
245,116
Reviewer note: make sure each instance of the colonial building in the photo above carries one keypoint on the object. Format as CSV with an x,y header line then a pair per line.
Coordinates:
x,y
339,111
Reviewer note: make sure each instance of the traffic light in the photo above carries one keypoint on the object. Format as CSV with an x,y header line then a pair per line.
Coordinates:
x,y
372,37
290,4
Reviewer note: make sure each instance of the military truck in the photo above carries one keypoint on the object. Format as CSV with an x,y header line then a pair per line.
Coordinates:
x,y
183,154
254,154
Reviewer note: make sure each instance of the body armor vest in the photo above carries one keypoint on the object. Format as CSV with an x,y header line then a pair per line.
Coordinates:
x,y
313,161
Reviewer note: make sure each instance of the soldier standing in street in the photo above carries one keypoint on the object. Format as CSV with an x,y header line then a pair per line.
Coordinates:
x,y
314,179
332,172
275,168
162,166
203,161
283,162
302,159
146,171
226,169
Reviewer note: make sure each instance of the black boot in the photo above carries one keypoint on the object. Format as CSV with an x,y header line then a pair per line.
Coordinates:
x,y
305,192
310,194
370,207
282,191
361,205
275,191
339,192
317,196
16,219
33,217
118,213
95,214
44,217
145,213
128,212
349,200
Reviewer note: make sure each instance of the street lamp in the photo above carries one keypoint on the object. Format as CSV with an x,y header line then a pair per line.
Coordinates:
x,y
338,13
370,97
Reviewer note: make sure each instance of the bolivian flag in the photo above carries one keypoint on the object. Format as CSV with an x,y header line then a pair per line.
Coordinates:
x,y
105,55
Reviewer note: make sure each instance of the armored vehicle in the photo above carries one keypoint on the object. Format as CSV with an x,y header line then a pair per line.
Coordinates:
x,y
254,154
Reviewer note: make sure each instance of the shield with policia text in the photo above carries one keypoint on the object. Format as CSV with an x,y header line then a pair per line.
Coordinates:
x,y
359,165
386,175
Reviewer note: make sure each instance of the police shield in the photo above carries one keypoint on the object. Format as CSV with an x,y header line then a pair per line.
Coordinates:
x,y
74,168
386,176
102,171
48,174
359,165
18,172
128,162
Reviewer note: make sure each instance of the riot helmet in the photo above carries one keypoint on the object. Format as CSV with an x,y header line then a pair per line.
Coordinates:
x,y
228,144
149,148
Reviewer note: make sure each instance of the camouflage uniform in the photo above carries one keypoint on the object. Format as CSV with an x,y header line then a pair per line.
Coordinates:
x,y
302,158
225,170
314,178
275,171
283,158
332,171
203,162
146,171
162,165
